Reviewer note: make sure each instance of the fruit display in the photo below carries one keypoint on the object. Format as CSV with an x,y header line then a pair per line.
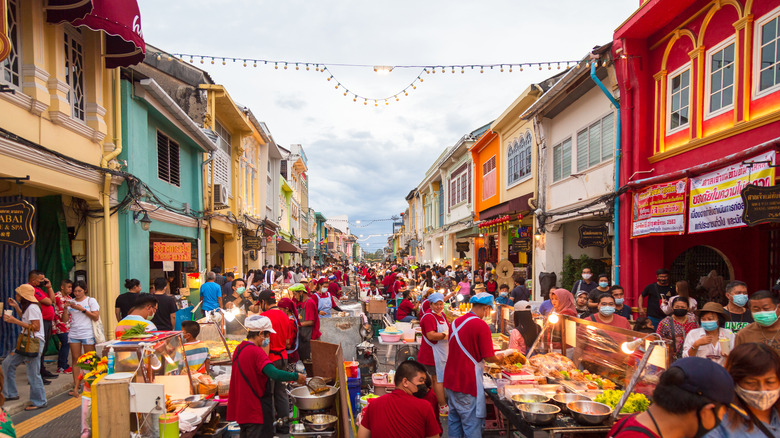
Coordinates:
x,y
634,403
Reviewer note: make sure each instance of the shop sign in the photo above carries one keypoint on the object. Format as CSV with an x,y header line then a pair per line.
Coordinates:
x,y
171,251
461,246
762,204
253,242
16,224
521,245
659,209
524,232
716,197
591,235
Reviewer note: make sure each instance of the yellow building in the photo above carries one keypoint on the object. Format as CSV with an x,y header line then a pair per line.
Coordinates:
x,y
58,130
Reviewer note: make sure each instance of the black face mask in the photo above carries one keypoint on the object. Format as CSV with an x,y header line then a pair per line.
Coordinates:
x,y
680,312
422,389
701,431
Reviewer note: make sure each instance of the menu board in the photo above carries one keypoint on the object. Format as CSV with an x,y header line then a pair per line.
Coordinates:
x,y
715,198
171,251
659,209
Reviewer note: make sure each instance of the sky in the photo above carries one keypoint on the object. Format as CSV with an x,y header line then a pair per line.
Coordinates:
x,y
364,159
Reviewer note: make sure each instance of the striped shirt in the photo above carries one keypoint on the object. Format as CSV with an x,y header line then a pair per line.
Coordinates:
x,y
197,352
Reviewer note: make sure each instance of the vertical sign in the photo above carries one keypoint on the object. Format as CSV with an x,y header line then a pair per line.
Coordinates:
x,y
659,209
715,199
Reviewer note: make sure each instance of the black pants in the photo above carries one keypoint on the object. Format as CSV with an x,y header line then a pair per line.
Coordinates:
x,y
304,342
281,402
47,337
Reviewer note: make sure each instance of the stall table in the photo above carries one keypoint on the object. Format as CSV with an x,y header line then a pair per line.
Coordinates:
x,y
562,424
205,412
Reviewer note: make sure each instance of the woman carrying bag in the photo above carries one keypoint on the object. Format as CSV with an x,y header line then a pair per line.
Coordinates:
x,y
26,352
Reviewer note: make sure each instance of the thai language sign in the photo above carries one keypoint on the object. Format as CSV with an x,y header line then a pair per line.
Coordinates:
x,y
762,204
172,251
715,198
659,209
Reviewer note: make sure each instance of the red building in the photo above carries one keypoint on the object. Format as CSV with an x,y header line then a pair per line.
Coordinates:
x,y
700,95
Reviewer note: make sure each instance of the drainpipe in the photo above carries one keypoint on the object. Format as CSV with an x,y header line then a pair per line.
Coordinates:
x,y
618,152
104,162
210,206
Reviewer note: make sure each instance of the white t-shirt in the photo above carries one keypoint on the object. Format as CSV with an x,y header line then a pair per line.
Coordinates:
x,y
80,324
33,313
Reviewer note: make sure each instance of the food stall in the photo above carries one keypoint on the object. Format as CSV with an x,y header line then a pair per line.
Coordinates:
x,y
580,376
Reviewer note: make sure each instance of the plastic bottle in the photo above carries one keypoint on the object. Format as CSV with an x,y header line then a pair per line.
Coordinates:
x,y
111,360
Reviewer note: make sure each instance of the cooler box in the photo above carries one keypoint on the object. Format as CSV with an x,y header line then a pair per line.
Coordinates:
x,y
353,387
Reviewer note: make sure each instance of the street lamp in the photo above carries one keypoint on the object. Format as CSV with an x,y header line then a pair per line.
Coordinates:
x,y
146,223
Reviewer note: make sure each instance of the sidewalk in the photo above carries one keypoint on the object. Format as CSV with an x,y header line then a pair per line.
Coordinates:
x,y
60,385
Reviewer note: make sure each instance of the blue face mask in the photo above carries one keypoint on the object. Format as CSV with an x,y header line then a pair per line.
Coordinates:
x,y
619,301
603,284
266,342
740,300
607,310
503,294
709,326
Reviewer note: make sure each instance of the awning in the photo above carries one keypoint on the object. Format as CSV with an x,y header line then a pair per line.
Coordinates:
x,y
285,246
513,205
121,22
58,11
468,232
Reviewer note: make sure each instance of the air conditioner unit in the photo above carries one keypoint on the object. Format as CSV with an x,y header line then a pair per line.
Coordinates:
x,y
220,194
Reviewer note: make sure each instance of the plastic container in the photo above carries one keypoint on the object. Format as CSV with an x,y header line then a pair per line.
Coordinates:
x,y
395,337
352,369
223,386
408,334
111,360
353,387
169,426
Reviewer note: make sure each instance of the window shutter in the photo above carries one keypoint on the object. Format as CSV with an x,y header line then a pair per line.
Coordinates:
x,y
173,154
163,162
468,184
594,143
582,150
566,158
607,137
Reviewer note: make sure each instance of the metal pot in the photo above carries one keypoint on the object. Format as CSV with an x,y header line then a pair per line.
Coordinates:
x,y
538,413
589,413
319,422
561,400
307,402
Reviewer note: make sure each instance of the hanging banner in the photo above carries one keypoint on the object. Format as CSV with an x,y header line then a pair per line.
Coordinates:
x,y
659,209
171,251
715,198
16,224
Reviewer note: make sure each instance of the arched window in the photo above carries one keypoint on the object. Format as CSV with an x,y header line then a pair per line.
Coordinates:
x,y
519,158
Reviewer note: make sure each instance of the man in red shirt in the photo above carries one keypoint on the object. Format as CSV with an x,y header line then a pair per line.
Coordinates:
x,y
470,345
403,412
309,321
280,342
333,287
39,281
250,403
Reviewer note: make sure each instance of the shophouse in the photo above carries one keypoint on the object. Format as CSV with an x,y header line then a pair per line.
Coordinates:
x,y
575,133
431,189
321,237
700,102
59,133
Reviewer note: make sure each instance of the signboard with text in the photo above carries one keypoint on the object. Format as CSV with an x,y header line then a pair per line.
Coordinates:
x,y
16,224
171,251
659,209
715,201
762,205
593,235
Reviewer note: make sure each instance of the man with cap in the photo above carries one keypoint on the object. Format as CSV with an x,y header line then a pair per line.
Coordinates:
x,y
690,400
470,346
250,403
434,348
333,286
277,348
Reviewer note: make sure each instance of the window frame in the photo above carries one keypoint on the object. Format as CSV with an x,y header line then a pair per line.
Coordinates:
x,y
19,49
557,145
516,143
708,113
171,142
587,128
461,183
76,36
756,67
668,113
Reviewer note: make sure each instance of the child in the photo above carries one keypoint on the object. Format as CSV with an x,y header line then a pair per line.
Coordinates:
x,y
197,352
503,295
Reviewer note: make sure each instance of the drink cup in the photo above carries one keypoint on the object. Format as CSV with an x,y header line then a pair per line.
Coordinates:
x,y
724,346
9,312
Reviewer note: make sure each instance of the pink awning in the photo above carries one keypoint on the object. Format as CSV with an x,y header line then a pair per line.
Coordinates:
x,y
121,22
58,11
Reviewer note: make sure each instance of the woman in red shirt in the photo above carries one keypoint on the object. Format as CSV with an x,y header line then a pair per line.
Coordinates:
x,y
404,312
435,347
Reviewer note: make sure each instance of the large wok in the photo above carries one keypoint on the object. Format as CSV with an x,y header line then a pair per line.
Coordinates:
x,y
307,402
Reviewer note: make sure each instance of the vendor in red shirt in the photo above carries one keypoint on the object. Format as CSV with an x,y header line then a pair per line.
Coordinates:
x,y
398,285
470,346
403,412
280,342
434,348
333,286
388,281
250,403
405,309
309,322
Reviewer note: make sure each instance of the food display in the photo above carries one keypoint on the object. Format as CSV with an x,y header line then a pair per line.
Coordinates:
x,y
634,403
516,358
217,350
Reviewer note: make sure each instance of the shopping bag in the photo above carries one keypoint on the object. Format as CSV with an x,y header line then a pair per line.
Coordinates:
x,y
27,344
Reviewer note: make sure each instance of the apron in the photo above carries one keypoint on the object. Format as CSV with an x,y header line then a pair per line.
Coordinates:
x,y
422,306
439,349
324,305
479,368
297,336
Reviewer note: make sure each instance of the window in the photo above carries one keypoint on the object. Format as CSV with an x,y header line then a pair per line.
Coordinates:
x,y
595,143
519,158
679,99
459,187
74,71
562,160
768,40
489,178
223,138
721,71
168,159
11,66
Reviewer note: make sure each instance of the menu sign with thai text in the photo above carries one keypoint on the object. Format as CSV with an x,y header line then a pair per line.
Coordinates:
x,y
659,209
16,224
171,251
716,197
591,235
762,204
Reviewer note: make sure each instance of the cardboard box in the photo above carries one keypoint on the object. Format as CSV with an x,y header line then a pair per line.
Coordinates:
x,y
377,306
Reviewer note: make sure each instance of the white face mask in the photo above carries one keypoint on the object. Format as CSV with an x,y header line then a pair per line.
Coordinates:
x,y
761,400
586,276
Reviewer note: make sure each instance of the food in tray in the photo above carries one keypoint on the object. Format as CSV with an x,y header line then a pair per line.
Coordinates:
x,y
634,403
514,358
218,351
512,369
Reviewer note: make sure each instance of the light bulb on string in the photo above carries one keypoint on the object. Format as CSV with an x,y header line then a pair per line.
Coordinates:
x,y
345,93
375,104
285,66
296,66
245,63
414,87
159,57
481,70
406,93
540,67
223,61
386,102
521,67
365,102
420,79
307,67
190,59
510,69
276,66
462,70
212,60
396,98
201,60
337,86
453,70
354,99
254,64
502,69
549,67
330,78
442,69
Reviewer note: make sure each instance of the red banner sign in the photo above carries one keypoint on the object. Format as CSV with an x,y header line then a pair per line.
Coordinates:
x,y
172,251
659,209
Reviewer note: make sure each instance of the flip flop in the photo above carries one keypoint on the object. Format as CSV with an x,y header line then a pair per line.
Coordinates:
x,y
12,398
73,393
35,408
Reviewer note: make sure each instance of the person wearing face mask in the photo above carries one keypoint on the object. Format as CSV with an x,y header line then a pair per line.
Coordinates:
x,y
619,294
682,288
606,314
711,341
403,412
503,295
434,348
197,352
309,322
677,326
325,301
690,400
655,294
277,348
238,296
581,304
766,328
601,288
141,314
755,369
586,284
250,403
739,317
470,346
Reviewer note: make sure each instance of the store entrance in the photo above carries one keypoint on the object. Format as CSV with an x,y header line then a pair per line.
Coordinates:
x,y
174,272
703,267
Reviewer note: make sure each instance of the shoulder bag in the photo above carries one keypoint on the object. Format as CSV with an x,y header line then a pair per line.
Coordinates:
x,y
27,344
97,328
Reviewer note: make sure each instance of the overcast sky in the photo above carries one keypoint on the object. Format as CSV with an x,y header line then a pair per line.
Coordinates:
x,y
363,160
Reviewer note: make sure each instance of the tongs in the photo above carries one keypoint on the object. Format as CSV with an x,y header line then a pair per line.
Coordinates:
x,y
317,386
